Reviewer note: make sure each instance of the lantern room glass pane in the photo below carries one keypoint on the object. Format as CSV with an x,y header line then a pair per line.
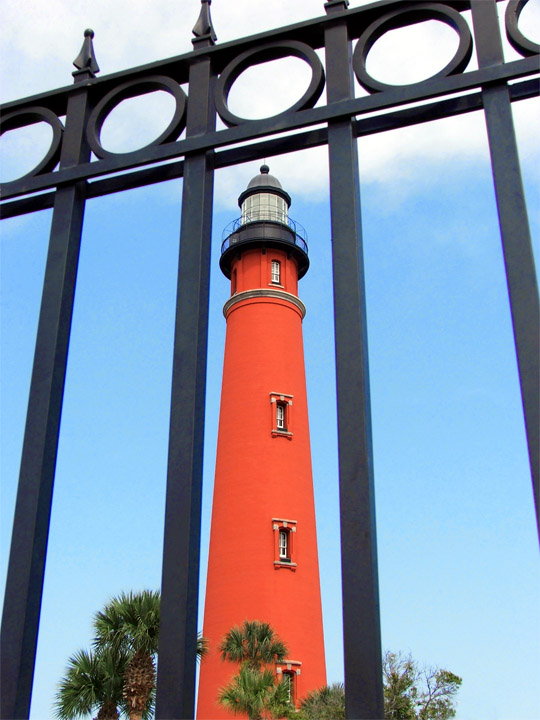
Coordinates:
x,y
264,206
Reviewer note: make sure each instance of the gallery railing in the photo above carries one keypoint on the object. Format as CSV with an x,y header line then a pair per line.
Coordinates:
x,y
294,232
67,176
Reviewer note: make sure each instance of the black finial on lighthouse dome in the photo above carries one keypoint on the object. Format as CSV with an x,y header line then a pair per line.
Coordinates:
x,y
265,169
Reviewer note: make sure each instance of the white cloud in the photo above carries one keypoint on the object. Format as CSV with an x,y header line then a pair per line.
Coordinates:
x,y
303,174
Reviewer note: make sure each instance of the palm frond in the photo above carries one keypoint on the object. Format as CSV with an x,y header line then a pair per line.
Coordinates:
x,y
130,621
203,646
91,680
253,642
247,692
325,703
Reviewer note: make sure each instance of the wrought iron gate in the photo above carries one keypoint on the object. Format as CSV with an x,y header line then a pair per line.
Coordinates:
x,y
66,178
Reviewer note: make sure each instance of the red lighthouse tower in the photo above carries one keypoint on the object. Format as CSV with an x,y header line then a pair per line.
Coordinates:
x,y
263,562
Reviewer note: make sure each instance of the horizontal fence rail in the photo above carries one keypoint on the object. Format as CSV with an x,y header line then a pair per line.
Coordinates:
x,y
231,58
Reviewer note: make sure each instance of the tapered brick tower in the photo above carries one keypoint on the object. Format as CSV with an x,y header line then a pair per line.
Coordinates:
x,y
263,562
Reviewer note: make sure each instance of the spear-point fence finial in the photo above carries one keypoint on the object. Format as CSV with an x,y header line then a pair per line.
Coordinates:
x,y
335,5
203,29
86,62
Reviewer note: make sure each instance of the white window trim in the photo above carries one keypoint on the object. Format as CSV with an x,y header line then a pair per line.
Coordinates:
x,y
292,668
283,545
280,416
286,401
280,525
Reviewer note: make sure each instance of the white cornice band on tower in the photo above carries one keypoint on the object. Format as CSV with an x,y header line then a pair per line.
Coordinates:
x,y
264,293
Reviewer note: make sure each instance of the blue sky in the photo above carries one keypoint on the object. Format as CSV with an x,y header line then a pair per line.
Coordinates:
x,y
458,551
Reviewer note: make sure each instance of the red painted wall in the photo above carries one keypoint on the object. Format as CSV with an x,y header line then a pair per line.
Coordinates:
x,y
262,475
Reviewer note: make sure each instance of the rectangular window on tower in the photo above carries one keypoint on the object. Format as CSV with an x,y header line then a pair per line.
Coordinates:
x,y
284,543
281,416
276,272
288,680
281,406
284,546
289,670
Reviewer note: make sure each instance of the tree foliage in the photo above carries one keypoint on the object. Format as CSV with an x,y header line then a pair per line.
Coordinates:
x,y
412,692
254,643
326,703
253,691
119,675
130,622
93,681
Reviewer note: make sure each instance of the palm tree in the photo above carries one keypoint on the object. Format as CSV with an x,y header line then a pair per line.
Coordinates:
x,y
130,622
326,703
255,693
254,643
254,690
92,681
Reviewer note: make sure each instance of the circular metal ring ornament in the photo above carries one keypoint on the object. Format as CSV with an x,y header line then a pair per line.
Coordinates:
x,y
517,40
31,116
265,53
402,18
134,88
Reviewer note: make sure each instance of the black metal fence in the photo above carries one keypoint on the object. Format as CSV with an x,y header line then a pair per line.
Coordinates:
x,y
69,175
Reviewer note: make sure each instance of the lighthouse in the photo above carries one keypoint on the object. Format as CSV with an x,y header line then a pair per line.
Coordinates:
x,y
263,562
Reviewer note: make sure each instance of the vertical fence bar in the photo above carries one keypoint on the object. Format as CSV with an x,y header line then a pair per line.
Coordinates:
x,y
361,621
515,233
180,574
26,570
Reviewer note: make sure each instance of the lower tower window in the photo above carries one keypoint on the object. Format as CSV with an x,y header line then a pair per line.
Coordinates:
x,y
281,405
284,546
284,543
288,679
289,670
281,416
